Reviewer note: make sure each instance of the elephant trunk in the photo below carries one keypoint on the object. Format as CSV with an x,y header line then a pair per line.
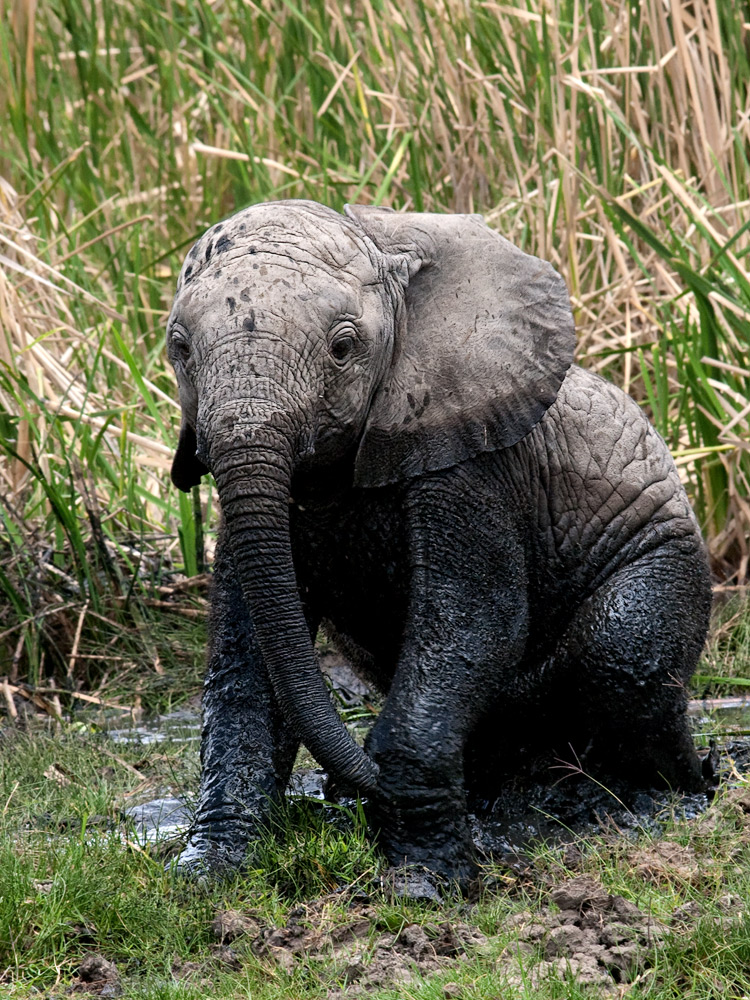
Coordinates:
x,y
254,489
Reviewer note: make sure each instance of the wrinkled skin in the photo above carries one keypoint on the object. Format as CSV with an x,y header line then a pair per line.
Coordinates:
x,y
495,537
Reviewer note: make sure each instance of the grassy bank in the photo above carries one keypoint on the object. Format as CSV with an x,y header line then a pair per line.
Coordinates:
x,y
76,882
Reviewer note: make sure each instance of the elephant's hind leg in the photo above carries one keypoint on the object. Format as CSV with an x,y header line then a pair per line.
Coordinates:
x,y
247,750
623,665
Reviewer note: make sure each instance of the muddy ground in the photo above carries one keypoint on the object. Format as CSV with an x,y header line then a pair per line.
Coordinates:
x,y
353,943
581,931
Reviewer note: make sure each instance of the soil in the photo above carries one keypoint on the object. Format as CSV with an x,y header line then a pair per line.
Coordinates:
x,y
581,932
584,931
360,954
97,976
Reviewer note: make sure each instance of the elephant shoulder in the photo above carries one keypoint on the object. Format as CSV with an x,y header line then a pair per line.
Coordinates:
x,y
599,446
585,396
596,419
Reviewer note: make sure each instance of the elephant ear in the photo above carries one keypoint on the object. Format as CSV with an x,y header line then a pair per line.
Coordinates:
x,y
187,468
480,353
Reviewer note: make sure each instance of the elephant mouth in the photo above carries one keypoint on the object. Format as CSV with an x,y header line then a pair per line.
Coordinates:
x,y
190,462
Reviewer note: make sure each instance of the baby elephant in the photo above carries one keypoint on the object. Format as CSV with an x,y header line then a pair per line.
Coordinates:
x,y
496,538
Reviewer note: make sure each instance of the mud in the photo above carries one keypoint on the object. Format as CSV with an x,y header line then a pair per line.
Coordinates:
x,y
584,933
96,976
581,931
560,812
360,953
731,809
560,808
665,863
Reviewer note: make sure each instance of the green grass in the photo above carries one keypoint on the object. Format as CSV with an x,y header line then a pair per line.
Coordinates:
x,y
725,666
74,880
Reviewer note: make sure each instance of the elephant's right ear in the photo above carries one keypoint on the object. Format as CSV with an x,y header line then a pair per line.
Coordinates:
x,y
187,468
480,356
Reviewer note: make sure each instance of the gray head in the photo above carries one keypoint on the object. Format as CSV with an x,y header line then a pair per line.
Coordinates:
x,y
426,339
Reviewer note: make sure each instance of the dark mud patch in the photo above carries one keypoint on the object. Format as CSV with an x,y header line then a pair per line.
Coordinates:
x,y
97,976
561,812
601,940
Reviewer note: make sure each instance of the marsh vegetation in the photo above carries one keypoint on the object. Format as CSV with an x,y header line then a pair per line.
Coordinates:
x,y
607,137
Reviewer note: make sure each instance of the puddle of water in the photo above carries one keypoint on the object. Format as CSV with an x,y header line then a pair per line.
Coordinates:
x,y
165,818
182,726
308,784
721,718
160,819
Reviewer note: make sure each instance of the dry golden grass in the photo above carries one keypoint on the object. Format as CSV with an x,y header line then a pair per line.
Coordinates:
x,y
610,139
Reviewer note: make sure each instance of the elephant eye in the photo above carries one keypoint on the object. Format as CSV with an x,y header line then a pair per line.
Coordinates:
x,y
342,347
180,346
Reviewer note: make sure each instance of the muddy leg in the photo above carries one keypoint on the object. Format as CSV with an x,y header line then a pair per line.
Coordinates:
x,y
626,660
419,741
247,750
419,809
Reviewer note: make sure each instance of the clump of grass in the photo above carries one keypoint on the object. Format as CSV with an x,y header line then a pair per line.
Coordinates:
x,y
307,855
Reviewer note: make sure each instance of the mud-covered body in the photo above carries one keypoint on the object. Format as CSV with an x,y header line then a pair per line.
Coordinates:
x,y
529,512
513,561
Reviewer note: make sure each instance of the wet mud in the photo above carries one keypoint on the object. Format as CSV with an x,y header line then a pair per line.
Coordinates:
x,y
559,808
96,976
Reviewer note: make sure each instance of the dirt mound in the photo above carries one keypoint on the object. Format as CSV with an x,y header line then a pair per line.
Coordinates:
x,y
663,862
97,976
596,938
584,932
730,807
358,952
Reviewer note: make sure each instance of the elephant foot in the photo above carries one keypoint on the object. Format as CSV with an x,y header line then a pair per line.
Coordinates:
x,y
204,861
450,866
429,840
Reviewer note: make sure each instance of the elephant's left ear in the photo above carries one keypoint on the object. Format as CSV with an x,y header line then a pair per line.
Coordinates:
x,y
485,344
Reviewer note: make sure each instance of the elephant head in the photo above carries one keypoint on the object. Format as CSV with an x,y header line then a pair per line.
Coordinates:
x,y
401,344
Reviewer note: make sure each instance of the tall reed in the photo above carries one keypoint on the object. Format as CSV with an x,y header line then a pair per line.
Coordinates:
x,y
608,137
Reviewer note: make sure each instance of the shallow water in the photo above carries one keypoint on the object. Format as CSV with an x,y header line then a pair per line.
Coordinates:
x,y
182,726
160,819
560,812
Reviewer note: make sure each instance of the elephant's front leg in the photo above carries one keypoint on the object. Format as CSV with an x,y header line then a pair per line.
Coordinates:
x,y
449,675
247,749
419,809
